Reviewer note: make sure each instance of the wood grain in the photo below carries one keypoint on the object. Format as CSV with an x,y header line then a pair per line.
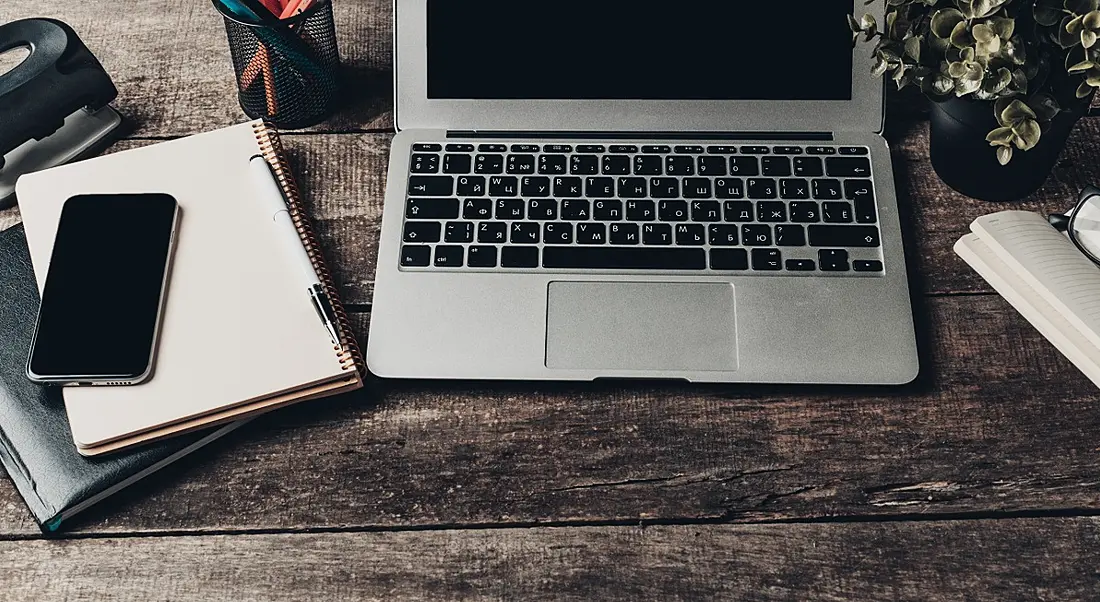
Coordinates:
x,y
1051,559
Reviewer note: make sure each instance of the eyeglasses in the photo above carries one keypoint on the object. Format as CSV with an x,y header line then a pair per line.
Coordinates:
x,y
1083,223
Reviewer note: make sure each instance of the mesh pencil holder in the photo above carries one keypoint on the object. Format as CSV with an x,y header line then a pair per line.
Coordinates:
x,y
286,73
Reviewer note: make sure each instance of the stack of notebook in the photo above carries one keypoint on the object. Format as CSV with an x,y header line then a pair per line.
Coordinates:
x,y
239,335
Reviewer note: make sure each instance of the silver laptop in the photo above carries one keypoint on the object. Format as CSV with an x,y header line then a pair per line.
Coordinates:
x,y
584,189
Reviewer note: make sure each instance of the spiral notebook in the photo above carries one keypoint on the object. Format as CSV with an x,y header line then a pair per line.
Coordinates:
x,y
240,336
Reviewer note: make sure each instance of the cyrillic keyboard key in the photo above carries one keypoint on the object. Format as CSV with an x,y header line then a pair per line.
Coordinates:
x,y
738,211
722,236
767,260
867,266
756,235
510,209
771,211
591,234
422,231
641,211
447,256
416,256
557,233
601,188
805,212
607,211
837,212
706,211
614,258
664,188
827,190
431,185
729,259
844,236
471,186
477,209
519,257
848,167
535,186
794,189
624,234
570,187
521,164
696,188
729,188
492,232
633,188
503,186
762,188
542,209
431,209
657,234
575,209
482,256
526,233
672,211
690,235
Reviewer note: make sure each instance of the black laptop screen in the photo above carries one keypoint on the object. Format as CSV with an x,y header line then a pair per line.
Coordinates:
x,y
644,50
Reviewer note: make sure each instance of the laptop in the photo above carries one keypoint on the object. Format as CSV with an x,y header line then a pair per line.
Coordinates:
x,y
608,189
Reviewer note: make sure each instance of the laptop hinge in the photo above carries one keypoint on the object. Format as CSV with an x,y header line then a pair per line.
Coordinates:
x,y
559,135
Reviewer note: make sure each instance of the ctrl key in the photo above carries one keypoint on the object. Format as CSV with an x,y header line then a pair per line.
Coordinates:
x,y
416,256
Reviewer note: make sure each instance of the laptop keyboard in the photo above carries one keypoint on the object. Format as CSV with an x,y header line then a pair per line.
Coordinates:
x,y
791,209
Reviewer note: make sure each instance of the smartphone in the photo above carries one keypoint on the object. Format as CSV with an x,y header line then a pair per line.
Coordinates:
x,y
105,290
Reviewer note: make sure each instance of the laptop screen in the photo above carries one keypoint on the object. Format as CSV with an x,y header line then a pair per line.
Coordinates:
x,y
631,50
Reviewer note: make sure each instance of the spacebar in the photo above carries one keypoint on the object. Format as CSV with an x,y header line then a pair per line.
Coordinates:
x,y
619,258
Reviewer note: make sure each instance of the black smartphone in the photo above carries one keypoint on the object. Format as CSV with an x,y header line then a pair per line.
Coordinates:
x,y
105,290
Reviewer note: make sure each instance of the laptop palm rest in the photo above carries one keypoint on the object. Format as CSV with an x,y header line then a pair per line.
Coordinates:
x,y
625,326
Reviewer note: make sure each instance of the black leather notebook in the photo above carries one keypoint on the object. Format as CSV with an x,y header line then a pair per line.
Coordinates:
x,y
36,446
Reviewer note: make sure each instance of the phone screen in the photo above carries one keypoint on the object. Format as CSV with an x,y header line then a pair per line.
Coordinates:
x,y
102,298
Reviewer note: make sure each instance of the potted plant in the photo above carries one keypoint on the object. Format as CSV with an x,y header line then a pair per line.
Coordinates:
x,y
1009,79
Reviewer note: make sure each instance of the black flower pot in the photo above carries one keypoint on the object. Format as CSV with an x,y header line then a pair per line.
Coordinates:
x,y
967,163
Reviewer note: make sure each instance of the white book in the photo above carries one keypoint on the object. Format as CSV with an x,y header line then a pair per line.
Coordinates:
x,y
1045,277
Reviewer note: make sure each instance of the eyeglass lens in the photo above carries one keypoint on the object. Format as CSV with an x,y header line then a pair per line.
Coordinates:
x,y
1085,226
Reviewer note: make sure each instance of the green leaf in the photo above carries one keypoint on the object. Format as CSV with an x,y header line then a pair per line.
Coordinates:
x,y
1082,66
945,20
1016,112
1028,134
1000,137
1004,155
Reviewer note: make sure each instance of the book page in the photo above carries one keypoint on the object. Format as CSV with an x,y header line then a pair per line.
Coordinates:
x,y
1049,263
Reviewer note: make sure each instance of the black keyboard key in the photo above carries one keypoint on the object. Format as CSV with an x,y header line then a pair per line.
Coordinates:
x,y
722,150
489,164
794,189
521,164
647,166
607,211
867,266
844,236
457,164
723,236
729,188
526,233
664,188
575,210
425,164
542,209
422,231
618,258
557,233
416,256
519,257
535,186
733,260
744,166
590,148
755,150
570,187
510,209
633,188
459,232
689,150
691,235
492,232
552,164
767,260
431,185
641,211
848,167
624,234
776,166
616,165
623,148
656,234
738,211
801,265
427,148
697,188
591,234
808,167
480,256
827,190
756,236
862,192
471,185
477,209
493,148
805,212
833,260
821,150
656,149
431,209
525,148
557,148
672,211
712,166
853,150
789,235
837,212
447,256
706,211
599,188
762,188
460,148
584,165
771,211
679,166
787,150
503,186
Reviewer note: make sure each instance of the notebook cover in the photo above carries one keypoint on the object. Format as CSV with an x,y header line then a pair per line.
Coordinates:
x,y
36,447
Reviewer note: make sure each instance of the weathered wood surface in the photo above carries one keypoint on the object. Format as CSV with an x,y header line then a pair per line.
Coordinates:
x,y
1045,559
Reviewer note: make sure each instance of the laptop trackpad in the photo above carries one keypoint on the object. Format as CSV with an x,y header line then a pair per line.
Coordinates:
x,y
684,327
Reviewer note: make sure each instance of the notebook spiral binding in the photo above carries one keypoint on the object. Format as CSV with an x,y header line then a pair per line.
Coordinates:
x,y
272,148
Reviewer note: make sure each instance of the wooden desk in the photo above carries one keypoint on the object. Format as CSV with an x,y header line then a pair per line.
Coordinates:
x,y
980,481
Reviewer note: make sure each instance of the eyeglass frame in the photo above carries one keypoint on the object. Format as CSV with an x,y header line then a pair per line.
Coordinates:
x,y
1063,222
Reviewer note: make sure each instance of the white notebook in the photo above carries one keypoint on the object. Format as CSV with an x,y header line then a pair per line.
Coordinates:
x,y
240,334
1045,277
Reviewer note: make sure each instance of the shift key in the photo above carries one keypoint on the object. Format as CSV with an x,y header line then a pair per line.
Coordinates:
x,y
432,209
844,236
431,185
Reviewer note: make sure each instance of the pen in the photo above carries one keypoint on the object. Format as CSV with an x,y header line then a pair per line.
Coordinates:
x,y
276,207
